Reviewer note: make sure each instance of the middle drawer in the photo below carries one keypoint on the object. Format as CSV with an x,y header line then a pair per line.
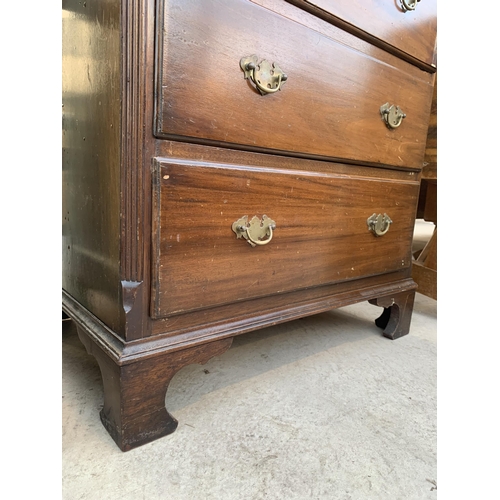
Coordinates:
x,y
328,106
204,257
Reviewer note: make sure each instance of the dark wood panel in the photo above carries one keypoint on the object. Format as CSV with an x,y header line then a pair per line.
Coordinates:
x,y
412,32
321,236
329,105
91,94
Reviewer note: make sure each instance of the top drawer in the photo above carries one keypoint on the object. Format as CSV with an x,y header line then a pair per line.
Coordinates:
x,y
393,22
329,105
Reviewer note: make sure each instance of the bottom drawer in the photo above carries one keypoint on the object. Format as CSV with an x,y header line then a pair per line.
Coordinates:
x,y
204,255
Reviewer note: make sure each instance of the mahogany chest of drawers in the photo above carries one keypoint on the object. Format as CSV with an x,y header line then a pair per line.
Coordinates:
x,y
229,165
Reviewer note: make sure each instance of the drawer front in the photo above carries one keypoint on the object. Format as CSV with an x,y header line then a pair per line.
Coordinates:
x,y
410,31
329,105
321,235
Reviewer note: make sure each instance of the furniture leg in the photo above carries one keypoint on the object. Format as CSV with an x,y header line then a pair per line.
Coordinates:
x,y
134,410
396,317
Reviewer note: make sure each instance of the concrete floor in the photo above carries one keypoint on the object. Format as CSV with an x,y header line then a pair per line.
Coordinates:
x,y
319,408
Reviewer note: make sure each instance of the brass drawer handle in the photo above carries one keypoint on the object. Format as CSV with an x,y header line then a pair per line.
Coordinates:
x,y
379,224
392,115
267,77
407,5
256,230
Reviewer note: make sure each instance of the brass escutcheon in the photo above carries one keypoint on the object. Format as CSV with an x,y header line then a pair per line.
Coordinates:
x,y
268,78
392,115
407,5
379,224
256,230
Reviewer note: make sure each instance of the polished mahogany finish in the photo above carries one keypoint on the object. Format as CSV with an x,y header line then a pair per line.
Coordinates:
x,y
166,147
411,34
329,106
318,215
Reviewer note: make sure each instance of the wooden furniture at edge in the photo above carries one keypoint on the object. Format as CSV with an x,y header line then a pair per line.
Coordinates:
x,y
180,118
425,264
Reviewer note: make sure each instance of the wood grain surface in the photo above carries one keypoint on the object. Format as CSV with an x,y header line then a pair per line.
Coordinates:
x,y
166,145
328,107
321,236
385,22
91,118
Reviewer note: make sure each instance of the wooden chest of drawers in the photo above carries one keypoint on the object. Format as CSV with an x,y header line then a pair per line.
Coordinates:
x,y
229,165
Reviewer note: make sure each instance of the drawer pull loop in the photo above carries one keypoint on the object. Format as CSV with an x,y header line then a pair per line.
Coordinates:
x,y
407,5
379,224
392,115
267,77
255,230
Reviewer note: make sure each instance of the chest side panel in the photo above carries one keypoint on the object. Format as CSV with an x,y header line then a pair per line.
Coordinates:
x,y
91,93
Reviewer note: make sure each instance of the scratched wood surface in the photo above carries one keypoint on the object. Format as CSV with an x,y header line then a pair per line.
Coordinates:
x,y
154,276
321,235
329,106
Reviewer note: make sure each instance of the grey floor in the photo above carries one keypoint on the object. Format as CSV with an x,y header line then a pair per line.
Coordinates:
x,y
319,408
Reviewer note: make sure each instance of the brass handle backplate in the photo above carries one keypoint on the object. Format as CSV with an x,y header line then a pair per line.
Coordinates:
x,y
392,115
257,231
267,78
407,5
379,224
